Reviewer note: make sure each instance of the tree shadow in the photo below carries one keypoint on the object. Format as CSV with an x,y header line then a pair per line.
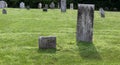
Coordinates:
x,y
52,50
88,51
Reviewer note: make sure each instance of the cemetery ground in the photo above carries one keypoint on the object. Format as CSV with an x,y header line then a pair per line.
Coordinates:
x,y
21,28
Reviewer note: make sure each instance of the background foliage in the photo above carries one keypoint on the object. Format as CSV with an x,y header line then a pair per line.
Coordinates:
x,y
111,4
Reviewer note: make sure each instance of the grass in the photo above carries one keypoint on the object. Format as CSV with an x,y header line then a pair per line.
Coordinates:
x,y
20,29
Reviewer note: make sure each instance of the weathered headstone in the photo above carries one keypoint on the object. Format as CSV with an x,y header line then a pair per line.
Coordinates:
x,y
102,13
3,4
28,7
63,5
47,42
46,6
85,22
22,5
4,11
71,6
58,5
52,5
40,5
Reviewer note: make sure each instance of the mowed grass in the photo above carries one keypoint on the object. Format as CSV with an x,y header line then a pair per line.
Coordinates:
x,y
21,28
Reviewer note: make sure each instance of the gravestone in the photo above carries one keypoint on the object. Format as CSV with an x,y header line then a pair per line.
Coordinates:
x,y
63,5
3,4
71,6
102,13
52,5
40,5
85,22
47,42
58,5
106,8
115,9
45,9
4,11
46,6
22,5
28,7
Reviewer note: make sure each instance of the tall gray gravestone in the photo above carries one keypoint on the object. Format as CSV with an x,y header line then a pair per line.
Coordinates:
x,y
63,5
52,5
22,5
102,12
71,6
85,22
47,42
40,5
3,4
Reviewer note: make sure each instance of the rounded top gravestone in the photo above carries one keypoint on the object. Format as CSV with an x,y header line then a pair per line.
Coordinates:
x,y
3,4
22,5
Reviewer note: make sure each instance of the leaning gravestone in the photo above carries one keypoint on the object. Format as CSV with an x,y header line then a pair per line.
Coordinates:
x,y
85,23
47,42
40,5
3,4
102,13
71,6
4,11
22,5
52,5
63,5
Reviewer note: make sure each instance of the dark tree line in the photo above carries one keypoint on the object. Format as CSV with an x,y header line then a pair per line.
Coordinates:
x,y
111,4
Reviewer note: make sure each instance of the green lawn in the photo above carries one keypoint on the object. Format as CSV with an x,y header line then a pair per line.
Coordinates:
x,y
20,30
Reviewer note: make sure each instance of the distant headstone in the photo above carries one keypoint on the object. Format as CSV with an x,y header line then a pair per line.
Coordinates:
x,y
3,4
40,5
22,5
45,9
4,11
114,9
71,6
102,13
58,5
85,23
47,42
52,5
106,8
63,5
46,6
28,7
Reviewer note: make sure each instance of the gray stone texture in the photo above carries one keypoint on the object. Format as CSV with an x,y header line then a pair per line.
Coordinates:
x,y
22,5
47,42
63,5
40,5
3,4
85,23
52,5
102,12
71,6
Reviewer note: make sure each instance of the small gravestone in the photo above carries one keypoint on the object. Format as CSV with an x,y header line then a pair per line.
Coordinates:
x,y
63,5
71,6
47,42
22,5
4,11
85,22
3,4
102,13
40,5
45,9
52,5
46,6
58,5
28,7
115,9
106,8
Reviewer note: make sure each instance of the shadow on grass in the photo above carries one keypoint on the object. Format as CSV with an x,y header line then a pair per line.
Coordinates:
x,y
88,51
53,50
